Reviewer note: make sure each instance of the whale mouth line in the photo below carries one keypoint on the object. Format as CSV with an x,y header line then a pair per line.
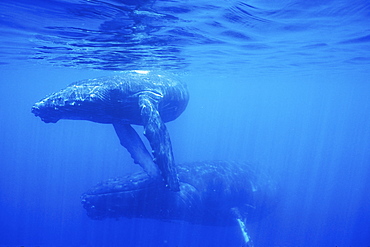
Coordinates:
x,y
115,187
115,192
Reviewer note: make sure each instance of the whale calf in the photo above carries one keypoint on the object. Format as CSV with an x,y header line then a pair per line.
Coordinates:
x,y
144,98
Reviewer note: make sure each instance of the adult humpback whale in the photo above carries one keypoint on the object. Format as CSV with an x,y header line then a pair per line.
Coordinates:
x,y
134,97
211,193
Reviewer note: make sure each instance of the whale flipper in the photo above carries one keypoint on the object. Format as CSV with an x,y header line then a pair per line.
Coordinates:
x,y
156,132
134,145
243,228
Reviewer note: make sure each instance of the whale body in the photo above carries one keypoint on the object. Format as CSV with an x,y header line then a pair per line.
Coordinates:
x,y
216,193
133,97
211,193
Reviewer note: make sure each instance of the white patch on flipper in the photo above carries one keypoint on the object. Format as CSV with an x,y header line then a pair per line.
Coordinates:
x,y
244,230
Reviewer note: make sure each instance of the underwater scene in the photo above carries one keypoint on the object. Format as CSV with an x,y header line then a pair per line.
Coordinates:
x,y
183,123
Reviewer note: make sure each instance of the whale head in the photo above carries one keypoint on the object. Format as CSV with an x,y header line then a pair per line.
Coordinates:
x,y
47,110
134,196
73,102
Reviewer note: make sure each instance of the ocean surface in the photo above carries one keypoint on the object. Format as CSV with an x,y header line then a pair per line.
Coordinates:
x,y
283,85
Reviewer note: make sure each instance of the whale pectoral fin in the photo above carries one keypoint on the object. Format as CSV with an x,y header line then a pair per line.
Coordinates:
x,y
156,132
241,222
132,142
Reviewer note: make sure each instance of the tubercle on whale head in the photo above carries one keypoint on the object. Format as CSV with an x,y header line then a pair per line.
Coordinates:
x,y
47,113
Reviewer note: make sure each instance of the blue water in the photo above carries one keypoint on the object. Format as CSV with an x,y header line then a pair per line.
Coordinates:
x,y
284,85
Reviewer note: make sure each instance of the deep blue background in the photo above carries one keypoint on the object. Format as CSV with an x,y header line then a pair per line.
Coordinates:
x,y
282,85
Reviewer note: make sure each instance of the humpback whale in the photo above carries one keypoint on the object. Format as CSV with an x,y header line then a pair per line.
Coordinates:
x,y
215,193
134,97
